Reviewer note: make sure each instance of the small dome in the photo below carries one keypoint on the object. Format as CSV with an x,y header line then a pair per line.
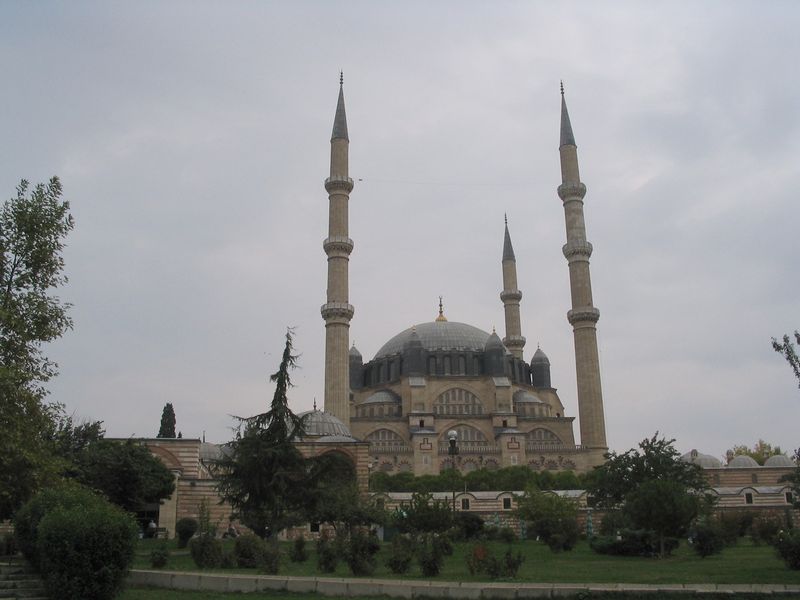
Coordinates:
x,y
705,461
779,460
382,397
354,352
742,462
540,358
319,423
494,342
335,439
209,451
523,396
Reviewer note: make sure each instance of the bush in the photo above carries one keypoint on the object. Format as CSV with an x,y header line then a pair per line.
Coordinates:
x,y
467,526
401,554
159,557
206,551
477,559
299,552
442,545
730,528
633,542
360,551
506,567
614,521
85,551
185,528
551,518
28,517
248,551
9,547
270,560
787,544
430,561
708,538
327,555
507,535
764,530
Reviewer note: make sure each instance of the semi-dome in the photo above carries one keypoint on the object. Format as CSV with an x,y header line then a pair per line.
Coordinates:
x,y
524,396
705,461
779,460
318,423
742,462
383,397
438,335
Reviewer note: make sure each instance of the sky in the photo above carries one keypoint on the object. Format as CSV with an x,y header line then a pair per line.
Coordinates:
x,y
192,141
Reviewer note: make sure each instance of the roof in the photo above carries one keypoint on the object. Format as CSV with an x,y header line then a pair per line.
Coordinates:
x,y
438,335
382,397
318,423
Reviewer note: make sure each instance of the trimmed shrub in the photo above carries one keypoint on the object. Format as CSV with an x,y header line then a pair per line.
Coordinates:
x,y
787,544
477,559
248,551
430,561
764,530
206,551
28,517
730,527
270,560
634,542
401,554
185,528
507,535
299,552
228,559
506,567
708,538
614,521
442,545
327,554
159,557
85,551
467,525
360,551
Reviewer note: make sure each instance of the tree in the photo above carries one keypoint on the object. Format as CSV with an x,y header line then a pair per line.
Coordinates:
x,y
424,515
551,518
126,472
167,429
787,349
793,479
610,484
33,226
760,451
262,474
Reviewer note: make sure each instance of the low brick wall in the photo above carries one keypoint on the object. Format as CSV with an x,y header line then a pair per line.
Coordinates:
x,y
396,588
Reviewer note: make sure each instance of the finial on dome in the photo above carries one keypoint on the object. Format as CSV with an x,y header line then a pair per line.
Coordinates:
x,y
562,87
493,329
441,316
341,80
315,403
505,218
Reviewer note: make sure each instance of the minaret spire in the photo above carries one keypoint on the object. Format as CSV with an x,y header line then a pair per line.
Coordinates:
x,y
584,316
338,311
511,297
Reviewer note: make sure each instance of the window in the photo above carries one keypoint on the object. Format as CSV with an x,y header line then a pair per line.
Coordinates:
x,y
426,460
422,423
313,527
514,460
505,423
506,503
543,437
465,504
789,498
754,478
458,401
748,498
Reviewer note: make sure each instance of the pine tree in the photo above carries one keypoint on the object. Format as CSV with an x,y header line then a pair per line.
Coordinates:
x,y
787,349
167,429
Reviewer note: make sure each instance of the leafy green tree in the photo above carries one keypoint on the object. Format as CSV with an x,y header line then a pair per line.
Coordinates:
x,y
610,484
262,474
760,451
787,349
33,226
167,429
126,472
793,479
551,518
424,515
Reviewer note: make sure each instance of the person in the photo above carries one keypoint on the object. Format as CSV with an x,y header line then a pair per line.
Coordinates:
x,y
151,529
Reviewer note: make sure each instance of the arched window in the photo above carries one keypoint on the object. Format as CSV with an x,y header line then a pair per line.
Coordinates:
x,y
462,366
457,401
384,438
447,365
431,365
543,437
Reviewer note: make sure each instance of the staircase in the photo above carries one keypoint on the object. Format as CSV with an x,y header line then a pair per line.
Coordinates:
x,y
19,582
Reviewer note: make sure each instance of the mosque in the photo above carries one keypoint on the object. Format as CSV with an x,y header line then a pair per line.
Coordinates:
x,y
443,387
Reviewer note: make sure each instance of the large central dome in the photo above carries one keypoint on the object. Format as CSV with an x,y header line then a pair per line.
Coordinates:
x,y
438,335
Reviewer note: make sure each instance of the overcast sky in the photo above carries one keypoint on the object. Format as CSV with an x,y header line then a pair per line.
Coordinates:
x,y
192,140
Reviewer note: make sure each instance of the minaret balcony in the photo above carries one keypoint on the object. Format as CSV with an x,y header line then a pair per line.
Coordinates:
x,y
513,295
514,341
337,244
338,184
571,191
586,315
577,248
337,311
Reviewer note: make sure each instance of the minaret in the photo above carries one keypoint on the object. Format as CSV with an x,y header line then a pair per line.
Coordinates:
x,y
338,311
511,297
583,316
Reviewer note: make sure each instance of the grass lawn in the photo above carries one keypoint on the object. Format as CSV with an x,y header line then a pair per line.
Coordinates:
x,y
744,563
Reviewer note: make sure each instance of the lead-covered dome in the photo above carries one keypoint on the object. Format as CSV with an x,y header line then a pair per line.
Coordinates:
x,y
705,461
438,335
742,461
318,423
779,460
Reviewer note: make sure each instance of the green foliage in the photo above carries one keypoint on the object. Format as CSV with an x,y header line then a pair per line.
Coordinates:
x,y
614,521
442,544
467,526
507,535
430,560
159,557
505,567
550,517
206,551
185,528
85,551
167,427
632,542
765,529
126,472
360,552
787,349
8,546
787,544
263,476
270,560
760,451
299,552
793,479
708,538
248,551
327,554
401,554
424,515
477,559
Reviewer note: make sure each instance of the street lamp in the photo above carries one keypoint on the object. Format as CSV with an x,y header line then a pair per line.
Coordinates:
x,y
452,451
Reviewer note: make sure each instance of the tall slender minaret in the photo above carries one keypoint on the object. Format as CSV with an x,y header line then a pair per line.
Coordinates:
x,y
511,297
583,316
338,311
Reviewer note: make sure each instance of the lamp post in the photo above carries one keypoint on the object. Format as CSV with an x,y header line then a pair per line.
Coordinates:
x,y
452,451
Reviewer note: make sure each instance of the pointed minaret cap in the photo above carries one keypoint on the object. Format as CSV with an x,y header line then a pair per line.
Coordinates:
x,y
567,137
441,318
508,249
340,120
354,351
